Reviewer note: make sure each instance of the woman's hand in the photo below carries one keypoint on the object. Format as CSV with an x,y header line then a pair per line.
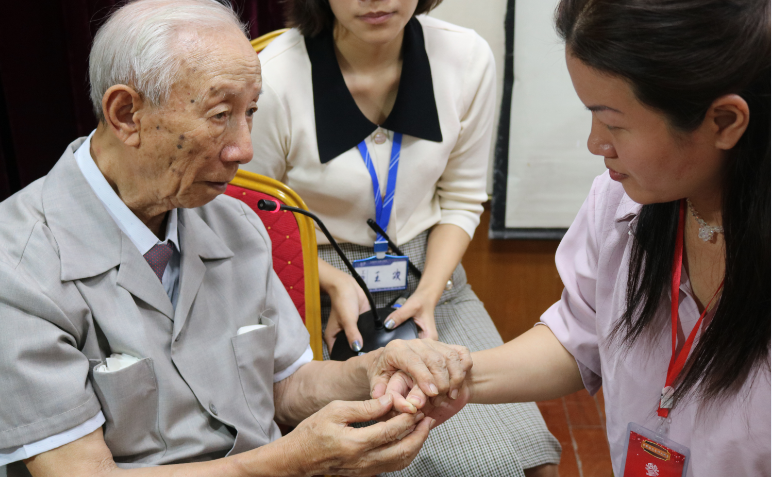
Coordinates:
x,y
348,302
435,368
439,408
326,444
444,249
419,307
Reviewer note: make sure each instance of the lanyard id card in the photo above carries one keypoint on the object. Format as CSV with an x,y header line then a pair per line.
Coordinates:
x,y
652,454
649,453
383,204
386,274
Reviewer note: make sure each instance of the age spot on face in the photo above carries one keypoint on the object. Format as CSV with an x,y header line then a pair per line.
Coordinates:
x,y
158,128
179,146
192,100
182,137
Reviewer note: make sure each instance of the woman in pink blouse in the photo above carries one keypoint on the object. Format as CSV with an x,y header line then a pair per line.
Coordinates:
x,y
680,97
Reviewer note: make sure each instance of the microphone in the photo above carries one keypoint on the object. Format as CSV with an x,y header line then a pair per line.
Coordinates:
x,y
370,323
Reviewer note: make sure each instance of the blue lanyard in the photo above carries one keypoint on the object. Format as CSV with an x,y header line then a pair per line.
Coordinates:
x,y
383,205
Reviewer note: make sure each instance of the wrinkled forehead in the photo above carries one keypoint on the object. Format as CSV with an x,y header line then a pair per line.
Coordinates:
x,y
218,64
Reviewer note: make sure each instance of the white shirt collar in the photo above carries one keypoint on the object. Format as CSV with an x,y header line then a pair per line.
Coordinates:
x,y
141,236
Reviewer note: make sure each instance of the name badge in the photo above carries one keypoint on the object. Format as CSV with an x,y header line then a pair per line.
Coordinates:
x,y
651,454
383,274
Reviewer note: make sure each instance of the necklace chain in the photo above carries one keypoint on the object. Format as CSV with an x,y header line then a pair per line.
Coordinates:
x,y
706,232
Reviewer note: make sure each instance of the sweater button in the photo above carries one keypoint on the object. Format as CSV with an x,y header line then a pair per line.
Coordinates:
x,y
213,408
380,137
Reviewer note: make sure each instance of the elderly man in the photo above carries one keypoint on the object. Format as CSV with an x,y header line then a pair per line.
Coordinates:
x,y
141,322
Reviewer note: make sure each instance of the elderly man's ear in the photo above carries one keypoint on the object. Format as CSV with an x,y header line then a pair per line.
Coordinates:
x,y
122,107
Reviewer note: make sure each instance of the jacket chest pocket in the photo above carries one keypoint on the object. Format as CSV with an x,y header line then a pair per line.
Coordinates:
x,y
254,358
129,399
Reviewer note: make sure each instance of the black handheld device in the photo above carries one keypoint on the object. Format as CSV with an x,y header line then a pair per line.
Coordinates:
x,y
371,323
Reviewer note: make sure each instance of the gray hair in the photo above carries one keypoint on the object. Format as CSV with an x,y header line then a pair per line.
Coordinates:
x,y
136,46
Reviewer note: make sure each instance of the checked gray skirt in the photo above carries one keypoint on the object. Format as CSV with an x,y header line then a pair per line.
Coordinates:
x,y
481,440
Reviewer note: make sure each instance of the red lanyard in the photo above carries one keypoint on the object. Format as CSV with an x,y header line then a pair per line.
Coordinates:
x,y
677,362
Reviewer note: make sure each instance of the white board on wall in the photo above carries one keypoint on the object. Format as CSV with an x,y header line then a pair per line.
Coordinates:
x,y
542,170
550,169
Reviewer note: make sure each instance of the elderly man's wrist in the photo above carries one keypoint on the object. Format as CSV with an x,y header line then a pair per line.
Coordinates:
x,y
277,459
365,365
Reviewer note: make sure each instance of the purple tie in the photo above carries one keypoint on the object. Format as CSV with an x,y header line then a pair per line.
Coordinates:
x,y
158,257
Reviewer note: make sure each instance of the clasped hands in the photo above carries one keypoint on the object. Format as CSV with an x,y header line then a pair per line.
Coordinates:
x,y
422,376
415,385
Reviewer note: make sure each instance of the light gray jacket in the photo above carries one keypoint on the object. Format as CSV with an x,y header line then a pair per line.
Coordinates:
x,y
74,289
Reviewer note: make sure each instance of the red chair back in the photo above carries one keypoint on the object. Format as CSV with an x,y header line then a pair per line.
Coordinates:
x,y
293,244
285,239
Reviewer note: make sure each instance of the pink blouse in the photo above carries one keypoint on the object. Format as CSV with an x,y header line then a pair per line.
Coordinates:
x,y
729,438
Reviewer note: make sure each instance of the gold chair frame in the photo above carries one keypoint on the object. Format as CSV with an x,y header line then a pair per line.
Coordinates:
x,y
261,42
272,187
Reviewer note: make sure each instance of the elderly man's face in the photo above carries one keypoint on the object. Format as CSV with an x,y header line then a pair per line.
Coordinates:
x,y
192,146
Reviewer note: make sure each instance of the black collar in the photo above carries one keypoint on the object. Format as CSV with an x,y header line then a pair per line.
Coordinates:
x,y
340,125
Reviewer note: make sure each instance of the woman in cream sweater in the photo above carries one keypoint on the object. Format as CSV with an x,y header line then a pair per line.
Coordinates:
x,y
371,79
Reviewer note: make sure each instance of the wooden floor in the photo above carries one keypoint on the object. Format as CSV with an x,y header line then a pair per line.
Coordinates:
x,y
517,280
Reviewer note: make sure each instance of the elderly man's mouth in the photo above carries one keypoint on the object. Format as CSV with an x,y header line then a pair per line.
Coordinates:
x,y
219,186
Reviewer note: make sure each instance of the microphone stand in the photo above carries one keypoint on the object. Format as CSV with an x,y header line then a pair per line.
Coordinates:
x,y
370,323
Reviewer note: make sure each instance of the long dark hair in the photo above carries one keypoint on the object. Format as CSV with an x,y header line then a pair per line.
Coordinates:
x,y
678,57
312,17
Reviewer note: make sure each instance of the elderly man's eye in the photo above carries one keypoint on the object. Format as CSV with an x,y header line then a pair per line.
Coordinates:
x,y
220,115
251,111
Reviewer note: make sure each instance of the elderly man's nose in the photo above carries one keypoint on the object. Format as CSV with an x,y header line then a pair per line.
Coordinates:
x,y
237,152
240,148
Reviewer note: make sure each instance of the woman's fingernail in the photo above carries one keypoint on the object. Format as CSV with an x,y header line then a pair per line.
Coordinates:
x,y
419,416
434,421
433,389
411,409
414,400
356,346
389,324
454,394
438,400
385,399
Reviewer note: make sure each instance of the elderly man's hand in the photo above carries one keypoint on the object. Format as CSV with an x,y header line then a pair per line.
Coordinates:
x,y
435,368
439,408
326,444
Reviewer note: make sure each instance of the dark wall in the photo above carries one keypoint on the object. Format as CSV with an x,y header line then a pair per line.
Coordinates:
x,y
44,104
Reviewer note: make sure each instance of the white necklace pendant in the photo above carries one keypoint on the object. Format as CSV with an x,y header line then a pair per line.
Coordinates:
x,y
380,136
706,234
